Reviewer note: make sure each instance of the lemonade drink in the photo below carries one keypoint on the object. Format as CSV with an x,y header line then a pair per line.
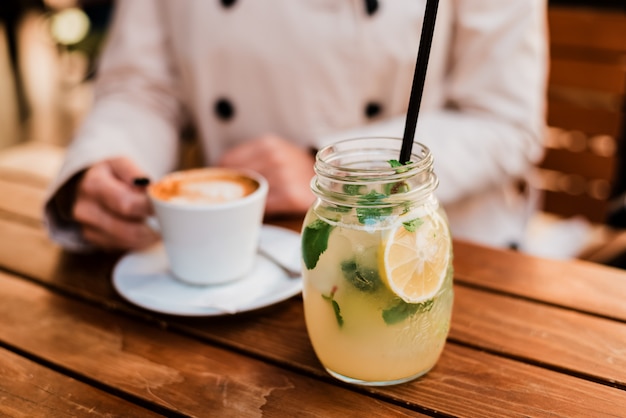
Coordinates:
x,y
377,259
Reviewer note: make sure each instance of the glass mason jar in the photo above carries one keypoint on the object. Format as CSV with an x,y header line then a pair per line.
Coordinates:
x,y
377,263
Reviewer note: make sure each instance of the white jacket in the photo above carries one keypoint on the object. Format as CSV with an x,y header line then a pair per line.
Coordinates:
x,y
316,71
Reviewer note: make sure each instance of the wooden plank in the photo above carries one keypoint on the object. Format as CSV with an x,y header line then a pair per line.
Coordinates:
x,y
594,53
612,103
191,377
587,28
575,284
506,388
588,75
573,341
178,374
21,176
29,251
589,165
28,389
590,121
33,160
567,205
21,199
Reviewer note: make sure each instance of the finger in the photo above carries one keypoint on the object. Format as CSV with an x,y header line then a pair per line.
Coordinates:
x,y
104,229
254,151
131,174
120,198
289,190
284,201
239,156
126,170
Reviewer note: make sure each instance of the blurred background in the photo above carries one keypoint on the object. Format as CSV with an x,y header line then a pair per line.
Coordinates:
x,y
48,57
48,50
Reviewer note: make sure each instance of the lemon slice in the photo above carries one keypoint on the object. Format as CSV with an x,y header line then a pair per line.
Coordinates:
x,y
414,264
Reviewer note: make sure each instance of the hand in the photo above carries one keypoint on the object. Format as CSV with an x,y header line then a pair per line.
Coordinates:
x,y
110,209
287,168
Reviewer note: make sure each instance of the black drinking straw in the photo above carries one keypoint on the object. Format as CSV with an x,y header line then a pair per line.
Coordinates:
x,y
419,77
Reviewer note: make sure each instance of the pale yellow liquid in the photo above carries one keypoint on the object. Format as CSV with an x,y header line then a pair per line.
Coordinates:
x,y
365,349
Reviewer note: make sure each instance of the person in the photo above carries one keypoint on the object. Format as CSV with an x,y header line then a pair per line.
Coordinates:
x,y
265,83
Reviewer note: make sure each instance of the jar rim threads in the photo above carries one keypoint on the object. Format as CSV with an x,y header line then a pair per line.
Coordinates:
x,y
341,168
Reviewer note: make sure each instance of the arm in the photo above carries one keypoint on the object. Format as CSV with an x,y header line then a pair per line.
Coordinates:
x,y
136,112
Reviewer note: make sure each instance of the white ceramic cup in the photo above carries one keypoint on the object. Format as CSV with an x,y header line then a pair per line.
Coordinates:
x,y
210,242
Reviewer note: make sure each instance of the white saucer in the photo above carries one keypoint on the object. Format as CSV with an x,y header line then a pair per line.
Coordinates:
x,y
143,278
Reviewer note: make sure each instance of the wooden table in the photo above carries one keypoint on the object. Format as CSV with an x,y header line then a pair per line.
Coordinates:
x,y
529,337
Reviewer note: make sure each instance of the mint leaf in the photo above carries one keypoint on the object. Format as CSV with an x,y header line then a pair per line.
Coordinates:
x,y
337,313
400,186
402,310
364,279
352,189
397,187
314,242
397,164
372,198
412,226
367,213
371,215
338,209
335,305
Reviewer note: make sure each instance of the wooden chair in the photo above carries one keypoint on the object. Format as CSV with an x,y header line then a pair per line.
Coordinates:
x,y
586,105
586,112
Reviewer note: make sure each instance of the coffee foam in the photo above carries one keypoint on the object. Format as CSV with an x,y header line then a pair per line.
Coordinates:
x,y
203,186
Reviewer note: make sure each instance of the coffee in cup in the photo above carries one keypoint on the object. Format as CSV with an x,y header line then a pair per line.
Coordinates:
x,y
204,186
210,220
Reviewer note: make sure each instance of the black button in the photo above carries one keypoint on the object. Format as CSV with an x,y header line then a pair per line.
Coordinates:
x,y
372,109
224,109
371,6
228,3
